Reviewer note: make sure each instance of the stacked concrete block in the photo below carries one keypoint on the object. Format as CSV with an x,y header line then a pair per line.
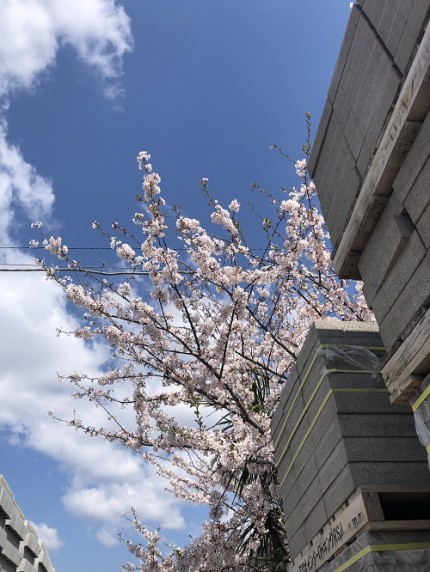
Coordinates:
x,y
399,24
335,429
420,402
395,263
20,548
379,45
353,117
402,551
371,163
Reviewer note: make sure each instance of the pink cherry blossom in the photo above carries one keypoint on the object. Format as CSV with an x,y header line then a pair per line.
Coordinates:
x,y
214,327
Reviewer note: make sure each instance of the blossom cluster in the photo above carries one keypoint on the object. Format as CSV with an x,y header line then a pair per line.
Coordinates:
x,y
215,328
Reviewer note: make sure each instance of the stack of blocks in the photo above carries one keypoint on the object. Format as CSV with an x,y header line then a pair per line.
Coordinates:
x,y
395,263
335,430
392,245
377,50
379,45
371,164
405,551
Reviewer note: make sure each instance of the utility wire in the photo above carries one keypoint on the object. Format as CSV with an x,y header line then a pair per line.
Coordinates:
x,y
10,247
81,270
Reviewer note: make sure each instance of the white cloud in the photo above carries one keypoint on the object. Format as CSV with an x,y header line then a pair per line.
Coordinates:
x,y
107,537
105,480
20,186
48,535
32,31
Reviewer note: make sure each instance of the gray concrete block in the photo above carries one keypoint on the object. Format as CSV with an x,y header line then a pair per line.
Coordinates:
x,y
373,9
385,244
351,128
367,403
302,455
377,425
371,102
327,377
419,196
287,448
334,464
408,473
332,172
386,560
354,75
326,436
390,14
389,427
311,498
412,34
345,187
377,108
356,399
297,542
423,227
297,484
344,53
401,272
328,332
328,432
294,520
291,426
350,384
311,373
414,162
288,487
320,137
414,296
381,474
397,26
367,153
316,520
339,491
289,389
335,333
384,449
341,333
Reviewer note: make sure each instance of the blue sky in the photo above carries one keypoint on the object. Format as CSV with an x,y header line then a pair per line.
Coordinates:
x,y
206,86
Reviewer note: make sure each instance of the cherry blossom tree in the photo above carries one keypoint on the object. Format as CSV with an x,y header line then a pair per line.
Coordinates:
x,y
206,322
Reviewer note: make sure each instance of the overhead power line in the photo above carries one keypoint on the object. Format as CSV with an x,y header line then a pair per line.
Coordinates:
x,y
82,271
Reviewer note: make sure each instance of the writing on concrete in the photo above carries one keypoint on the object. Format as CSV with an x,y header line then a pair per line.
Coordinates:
x,y
339,533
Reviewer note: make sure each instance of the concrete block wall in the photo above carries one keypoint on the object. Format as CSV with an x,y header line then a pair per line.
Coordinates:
x,y
399,550
395,263
335,429
371,164
20,548
379,45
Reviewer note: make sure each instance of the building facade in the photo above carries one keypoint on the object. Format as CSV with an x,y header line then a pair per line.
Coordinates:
x,y
20,548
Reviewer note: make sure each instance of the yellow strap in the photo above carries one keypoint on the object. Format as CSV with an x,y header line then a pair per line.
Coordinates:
x,y
428,448
382,548
306,375
309,402
421,399
288,414
315,419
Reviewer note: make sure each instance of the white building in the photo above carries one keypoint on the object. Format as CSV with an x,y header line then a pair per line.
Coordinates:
x,y
20,548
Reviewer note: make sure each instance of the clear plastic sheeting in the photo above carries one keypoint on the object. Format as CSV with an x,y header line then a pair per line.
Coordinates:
x,y
420,402
356,358
384,552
